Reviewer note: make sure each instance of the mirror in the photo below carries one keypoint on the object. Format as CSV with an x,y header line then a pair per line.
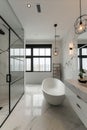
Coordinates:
x,y
82,51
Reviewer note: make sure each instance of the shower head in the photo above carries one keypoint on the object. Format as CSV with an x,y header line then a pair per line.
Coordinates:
x,y
2,32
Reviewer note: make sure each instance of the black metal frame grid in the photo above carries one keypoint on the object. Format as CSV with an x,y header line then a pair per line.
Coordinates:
x,y
28,46
80,56
9,83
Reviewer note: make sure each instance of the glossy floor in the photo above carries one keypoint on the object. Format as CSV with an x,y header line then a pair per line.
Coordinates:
x,y
33,113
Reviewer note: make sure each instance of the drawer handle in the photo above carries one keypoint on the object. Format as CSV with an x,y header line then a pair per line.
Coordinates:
x,y
78,105
79,97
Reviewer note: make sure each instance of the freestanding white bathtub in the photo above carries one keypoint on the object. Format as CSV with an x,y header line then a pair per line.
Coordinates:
x,y
53,91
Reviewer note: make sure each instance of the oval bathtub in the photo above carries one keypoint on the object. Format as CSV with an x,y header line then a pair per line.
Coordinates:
x,y
53,91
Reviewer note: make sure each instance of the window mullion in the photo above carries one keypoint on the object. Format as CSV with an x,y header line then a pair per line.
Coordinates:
x,y
31,59
39,59
80,59
45,60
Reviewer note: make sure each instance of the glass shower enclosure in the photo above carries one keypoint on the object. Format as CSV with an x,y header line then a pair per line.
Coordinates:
x,y
11,69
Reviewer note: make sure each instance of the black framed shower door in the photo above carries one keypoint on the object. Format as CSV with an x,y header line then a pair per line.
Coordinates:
x,y
12,65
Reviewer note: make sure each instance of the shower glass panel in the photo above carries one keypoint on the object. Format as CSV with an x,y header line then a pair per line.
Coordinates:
x,y
4,71
16,68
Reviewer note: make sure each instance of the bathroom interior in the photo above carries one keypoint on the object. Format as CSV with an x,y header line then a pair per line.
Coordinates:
x,y
43,65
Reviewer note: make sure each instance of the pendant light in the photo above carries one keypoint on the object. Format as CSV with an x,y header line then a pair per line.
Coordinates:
x,y
55,52
81,22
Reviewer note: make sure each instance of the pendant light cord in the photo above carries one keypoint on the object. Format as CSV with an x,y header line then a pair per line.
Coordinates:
x,y
80,7
55,25
55,38
80,11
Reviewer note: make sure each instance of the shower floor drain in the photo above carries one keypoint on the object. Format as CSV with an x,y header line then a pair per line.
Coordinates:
x,y
1,108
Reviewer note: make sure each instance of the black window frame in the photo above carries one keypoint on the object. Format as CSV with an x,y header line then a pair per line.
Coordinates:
x,y
39,46
80,56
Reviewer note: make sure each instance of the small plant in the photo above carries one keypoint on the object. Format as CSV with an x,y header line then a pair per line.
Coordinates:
x,y
81,73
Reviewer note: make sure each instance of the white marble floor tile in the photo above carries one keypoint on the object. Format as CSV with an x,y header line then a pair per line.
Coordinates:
x,y
34,113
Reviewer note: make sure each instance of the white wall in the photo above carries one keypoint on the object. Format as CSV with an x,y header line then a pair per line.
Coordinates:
x,y
69,62
38,77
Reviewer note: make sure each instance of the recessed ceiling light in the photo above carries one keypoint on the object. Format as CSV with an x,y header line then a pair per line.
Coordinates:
x,y
28,5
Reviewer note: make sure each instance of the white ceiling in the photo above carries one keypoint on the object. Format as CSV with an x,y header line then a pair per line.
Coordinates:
x,y
40,26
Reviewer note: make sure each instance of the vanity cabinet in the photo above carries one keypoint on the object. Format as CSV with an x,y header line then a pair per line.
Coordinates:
x,y
77,103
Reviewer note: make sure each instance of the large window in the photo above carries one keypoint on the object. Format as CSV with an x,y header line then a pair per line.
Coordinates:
x,y
38,58
82,56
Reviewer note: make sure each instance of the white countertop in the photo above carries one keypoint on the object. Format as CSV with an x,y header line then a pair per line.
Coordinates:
x,y
77,87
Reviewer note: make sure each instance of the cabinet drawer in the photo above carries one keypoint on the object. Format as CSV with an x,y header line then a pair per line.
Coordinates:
x,y
82,104
76,99
79,106
78,109
70,95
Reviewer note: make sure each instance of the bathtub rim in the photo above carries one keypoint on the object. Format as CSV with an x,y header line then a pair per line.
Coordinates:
x,y
52,94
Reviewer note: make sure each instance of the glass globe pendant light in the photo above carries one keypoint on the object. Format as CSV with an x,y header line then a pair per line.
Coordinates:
x,y
81,22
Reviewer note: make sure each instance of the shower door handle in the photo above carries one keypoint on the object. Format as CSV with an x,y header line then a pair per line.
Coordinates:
x,y
8,78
